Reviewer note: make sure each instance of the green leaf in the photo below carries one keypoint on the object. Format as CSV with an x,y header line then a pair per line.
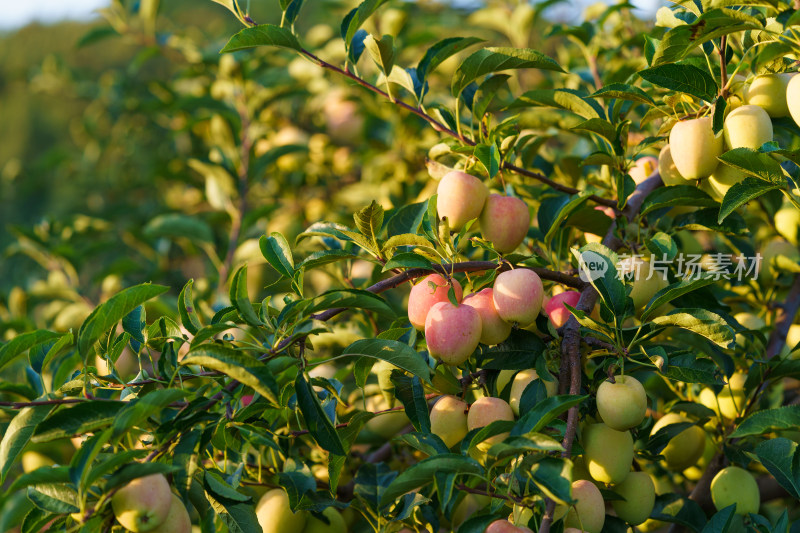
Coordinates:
x,y
760,165
369,222
186,309
558,98
436,54
489,157
47,475
263,35
545,412
106,315
691,369
137,411
423,473
349,298
741,193
622,91
18,433
129,472
568,208
601,127
241,300
324,257
662,245
411,394
407,219
553,476
407,260
598,266
317,422
381,51
177,225
407,239
677,195
768,420
237,365
356,18
489,60
86,417
671,292
683,78
721,521
779,456
707,220
24,342
278,254
397,353
709,325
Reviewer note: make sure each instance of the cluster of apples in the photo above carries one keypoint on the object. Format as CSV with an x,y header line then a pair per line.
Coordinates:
x,y
693,149
275,516
147,504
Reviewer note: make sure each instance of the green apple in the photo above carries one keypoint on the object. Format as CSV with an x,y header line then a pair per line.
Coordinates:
x,y
770,252
608,453
792,340
335,523
723,178
468,506
769,91
684,449
622,404
643,168
33,460
589,513
521,381
518,296
449,420
669,172
143,503
460,198
275,516
695,148
452,332
485,411
494,329
734,485
793,98
787,222
177,520
431,290
640,497
748,126
732,399
504,222
645,283
387,425
749,321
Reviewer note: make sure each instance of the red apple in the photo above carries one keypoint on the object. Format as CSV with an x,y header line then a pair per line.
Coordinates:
x,y
518,296
431,290
555,310
504,222
452,332
494,329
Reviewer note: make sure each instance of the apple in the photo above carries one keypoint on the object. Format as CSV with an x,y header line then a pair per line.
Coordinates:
x,y
383,369
177,520
555,309
695,148
793,98
731,398
685,448
723,178
749,321
468,506
769,91
622,404
494,329
485,411
275,516
503,379
610,213
639,492
792,340
696,471
521,381
668,170
608,453
643,168
342,117
787,222
589,513
387,425
518,296
431,290
461,198
734,485
452,332
336,523
771,251
143,503
34,460
504,526
748,126
449,420
504,222
645,283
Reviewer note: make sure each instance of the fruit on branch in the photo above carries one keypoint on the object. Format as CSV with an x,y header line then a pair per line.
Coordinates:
x,y
336,523
494,329
383,369
731,398
695,148
518,296
696,471
555,309
669,172
177,520
723,178
504,222
452,332
787,220
143,503
770,259
648,279
684,449
588,513
793,97
385,425
461,198
275,515
792,340
572,530
521,381
33,460
643,168
608,453
769,91
734,485
748,126
639,492
504,526
431,290
468,506
622,404
485,411
449,420
749,321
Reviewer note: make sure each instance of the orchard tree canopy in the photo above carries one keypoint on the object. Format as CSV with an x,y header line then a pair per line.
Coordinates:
x,y
295,266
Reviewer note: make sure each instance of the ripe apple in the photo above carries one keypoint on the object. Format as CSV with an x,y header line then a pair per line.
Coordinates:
x,y
461,198
494,329
668,170
787,222
622,404
639,492
748,126
336,523
431,290
485,411
504,222
608,453
645,283
723,178
503,379
588,513
177,520
518,296
685,448
143,503
695,148
274,514
731,398
504,526
793,98
449,420
452,332
643,168
342,117
769,92
734,485
555,310
522,380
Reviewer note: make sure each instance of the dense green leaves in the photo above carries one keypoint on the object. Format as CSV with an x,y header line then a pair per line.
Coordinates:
x,y
240,366
264,35
489,60
683,78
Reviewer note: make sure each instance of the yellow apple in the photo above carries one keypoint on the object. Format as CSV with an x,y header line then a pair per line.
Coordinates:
x,y
695,148
769,92
485,411
787,222
461,198
723,178
622,404
449,420
33,460
734,485
589,513
608,453
336,523
177,520
640,497
748,126
275,516
685,448
793,98
521,381
668,170
143,503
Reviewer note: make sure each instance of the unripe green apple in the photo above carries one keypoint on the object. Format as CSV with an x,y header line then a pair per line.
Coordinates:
x,y
792,340
336,523
685,448
695,148
275,516
452,332
669,172
748,126
608,453
522,380
645,283
503,379
640,497
494,329
771,251
749,321
33,460
793,97
383,369
504,222
449,420
555,309
589,513
731,398
386,425
643,168
787,221
177,520
518,296
769,92
143,503
468,506
431,290
622,404
734,485
723,178
461,198
485,411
